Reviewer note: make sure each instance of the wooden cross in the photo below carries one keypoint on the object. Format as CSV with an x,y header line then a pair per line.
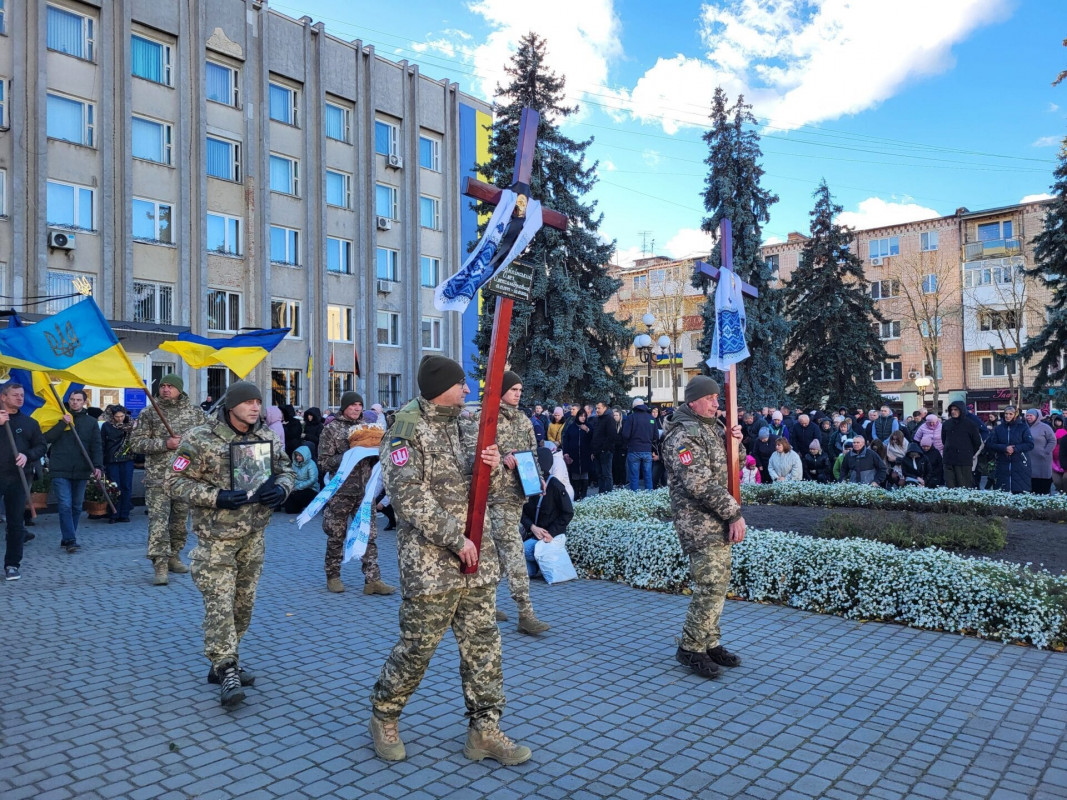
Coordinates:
x,y
498,349
733,461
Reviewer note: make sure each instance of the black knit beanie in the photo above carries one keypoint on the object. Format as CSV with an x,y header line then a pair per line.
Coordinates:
x,y
438,374
348,399
241,392
510,379
700,386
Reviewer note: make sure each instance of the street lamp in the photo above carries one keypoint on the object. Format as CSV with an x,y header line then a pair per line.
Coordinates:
x,y
921,383
643,345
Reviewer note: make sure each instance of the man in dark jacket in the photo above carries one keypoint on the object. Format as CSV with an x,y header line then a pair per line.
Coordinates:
x,y
70,471
961,439
803,434
29,447
602,445
863,465
638,431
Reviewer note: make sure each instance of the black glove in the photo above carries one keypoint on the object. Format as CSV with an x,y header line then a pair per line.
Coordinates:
x,y
231,498
269,495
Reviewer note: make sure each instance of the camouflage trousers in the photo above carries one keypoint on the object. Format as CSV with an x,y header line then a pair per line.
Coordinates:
x,y
504,528
335,518
168,521
710,568
471,613
226,571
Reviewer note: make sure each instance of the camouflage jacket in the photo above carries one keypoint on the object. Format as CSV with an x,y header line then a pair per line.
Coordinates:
x,y
426,459
694,455
200,467
333,444
149,436
514,431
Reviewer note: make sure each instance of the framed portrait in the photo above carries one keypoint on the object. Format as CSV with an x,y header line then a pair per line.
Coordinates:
x,y
250,464
529,474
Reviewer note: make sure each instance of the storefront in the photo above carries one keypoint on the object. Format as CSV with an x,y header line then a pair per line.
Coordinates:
x,y
990,399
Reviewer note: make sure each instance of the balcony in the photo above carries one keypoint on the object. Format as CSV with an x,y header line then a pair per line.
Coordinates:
x,y
992,248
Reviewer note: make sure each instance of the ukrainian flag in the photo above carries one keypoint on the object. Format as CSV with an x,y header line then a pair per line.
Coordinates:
x,y
76,344
241,353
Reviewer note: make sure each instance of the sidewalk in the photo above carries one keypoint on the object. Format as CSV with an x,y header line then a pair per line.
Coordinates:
x,y
105,695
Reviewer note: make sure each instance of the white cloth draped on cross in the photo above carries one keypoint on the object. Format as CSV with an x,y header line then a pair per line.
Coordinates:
x,y
358,534
728,336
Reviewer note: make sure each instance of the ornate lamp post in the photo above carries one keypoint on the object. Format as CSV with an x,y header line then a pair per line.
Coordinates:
x,y
921,383
643,345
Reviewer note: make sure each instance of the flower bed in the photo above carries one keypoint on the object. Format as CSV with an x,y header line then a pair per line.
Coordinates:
x,y
623,536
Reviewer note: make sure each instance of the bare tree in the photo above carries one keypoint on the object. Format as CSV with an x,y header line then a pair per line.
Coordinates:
x,y
668,296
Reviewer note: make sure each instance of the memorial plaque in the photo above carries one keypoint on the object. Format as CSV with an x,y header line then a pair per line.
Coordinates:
x,y
514,281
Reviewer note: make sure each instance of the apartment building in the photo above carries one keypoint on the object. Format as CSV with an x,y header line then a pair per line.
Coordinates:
x,y
214,166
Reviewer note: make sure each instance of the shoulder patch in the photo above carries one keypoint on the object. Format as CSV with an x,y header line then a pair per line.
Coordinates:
x,y
400,455
180,464
685,455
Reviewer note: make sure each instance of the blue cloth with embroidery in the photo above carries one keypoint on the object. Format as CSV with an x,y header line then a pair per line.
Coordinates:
x,y
728,337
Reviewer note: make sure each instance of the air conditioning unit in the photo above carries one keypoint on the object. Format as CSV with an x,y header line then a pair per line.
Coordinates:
x,y
395,161
384,287
385,224
61,240
876,262
912,375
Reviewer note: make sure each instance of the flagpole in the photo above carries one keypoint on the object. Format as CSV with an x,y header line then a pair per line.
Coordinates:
x,y
81,446
22,474
158,410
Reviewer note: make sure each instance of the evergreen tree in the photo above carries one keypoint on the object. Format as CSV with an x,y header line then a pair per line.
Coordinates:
x,y
833,343
733,192
562,343
1050,267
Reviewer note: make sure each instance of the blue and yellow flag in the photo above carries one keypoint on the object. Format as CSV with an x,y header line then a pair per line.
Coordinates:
x,y
241,353
40,401
76,344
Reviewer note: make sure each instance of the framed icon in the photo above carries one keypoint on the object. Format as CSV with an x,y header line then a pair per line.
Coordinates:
x,y
529,475
250,464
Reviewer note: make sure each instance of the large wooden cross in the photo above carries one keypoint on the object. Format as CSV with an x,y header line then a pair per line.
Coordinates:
x,y
733,460
498,349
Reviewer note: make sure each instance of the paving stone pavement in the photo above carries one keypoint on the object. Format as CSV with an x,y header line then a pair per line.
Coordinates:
x,y
104,695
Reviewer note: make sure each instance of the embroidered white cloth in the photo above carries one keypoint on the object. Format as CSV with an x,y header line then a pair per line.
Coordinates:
x,y
358,534
728,336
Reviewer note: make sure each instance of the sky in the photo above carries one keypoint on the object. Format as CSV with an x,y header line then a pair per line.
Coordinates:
x,y
908,109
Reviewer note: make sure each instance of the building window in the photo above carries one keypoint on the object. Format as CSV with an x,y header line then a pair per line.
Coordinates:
x,y
430,271
152,221
223,159
151,60
3,202
985,276
283,104
4,84
430,213
1005,320
928,371
151,140
772,266
881,248
998,366
3,19
285,387
388,389
339,323
338,123
284,245
887,371
70,206
386,138
928,241
284,175
338,255
223,234
70,120
385,201
924,327
340,382
222,84
888,330
286,314
992,231
389,328
883,290
218,380
429,153
388,264
930,284
153,302
431,333
65,283
70,33
640,283
338,189
223,311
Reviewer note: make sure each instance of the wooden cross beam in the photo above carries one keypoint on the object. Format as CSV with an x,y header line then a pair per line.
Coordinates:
x,y
498,349
733,460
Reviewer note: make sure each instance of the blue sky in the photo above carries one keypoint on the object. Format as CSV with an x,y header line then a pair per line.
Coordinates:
x,y
908,108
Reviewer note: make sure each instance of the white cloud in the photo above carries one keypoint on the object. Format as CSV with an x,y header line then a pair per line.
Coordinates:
x,y
1052,108
607,165
627,256
805,61
651,157
874,212
1033,198
582,39
689,242
1047,141
772,240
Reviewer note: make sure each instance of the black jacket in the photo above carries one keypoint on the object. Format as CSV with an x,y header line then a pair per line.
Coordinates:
x,y
554,514
113,440
65,460
312,426
960,437
817,467
915,466
639,430
802,437
28,440
604,434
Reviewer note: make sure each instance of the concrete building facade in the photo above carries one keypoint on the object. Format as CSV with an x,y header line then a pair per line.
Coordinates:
x,y
214,165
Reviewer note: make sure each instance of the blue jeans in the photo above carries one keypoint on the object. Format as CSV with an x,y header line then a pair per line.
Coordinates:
x,y
531,563
121,472
70,495
604,480
639,462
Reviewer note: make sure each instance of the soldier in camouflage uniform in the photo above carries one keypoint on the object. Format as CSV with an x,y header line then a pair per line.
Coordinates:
x,y
426,463
514,432
706,517
167,518
229,525
333,444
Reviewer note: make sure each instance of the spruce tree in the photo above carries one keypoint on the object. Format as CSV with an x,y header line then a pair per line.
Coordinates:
x,y
562,343
833,343
1050,267
733,191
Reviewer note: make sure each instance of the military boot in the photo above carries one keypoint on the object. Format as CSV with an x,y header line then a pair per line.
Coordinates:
x,y
378,587
529,623
174,564
231,694
335,585
386,737
247,678
700,663
723,657
490,742
501,616
160,567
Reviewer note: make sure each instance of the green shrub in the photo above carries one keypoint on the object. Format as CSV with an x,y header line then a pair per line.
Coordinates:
x,y
947,531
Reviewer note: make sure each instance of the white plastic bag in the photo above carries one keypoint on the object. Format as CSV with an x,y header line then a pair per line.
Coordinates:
x,y
553,560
